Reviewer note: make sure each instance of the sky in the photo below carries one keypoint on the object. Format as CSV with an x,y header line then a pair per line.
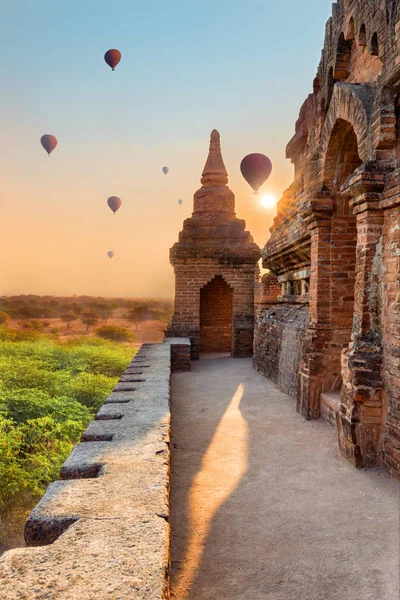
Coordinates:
x,y
187,67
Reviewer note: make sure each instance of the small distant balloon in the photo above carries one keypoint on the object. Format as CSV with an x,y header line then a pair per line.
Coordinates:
x,y
49,142
180,201
256,168
165,170
114,203
112,58
110,254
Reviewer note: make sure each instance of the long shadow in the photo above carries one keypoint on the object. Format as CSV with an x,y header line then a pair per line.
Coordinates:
x,y
200,400
297,522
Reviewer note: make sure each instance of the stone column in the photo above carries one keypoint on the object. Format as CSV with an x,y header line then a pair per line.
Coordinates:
x,y
361,417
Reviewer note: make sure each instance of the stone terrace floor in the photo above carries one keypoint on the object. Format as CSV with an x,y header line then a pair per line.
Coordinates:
x,y
263,505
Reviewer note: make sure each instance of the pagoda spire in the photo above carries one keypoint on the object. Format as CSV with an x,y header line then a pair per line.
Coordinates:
x,y
214,172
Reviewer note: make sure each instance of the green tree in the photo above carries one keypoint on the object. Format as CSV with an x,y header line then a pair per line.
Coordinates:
x,y
68,317
136,315
4,318
90,319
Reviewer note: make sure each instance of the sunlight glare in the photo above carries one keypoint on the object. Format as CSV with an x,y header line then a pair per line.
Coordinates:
x,y
268,201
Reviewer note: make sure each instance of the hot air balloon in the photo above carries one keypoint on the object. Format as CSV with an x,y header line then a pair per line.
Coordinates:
x,y
114,203
112,58
165,170
180,201
110,254
256,168
49,142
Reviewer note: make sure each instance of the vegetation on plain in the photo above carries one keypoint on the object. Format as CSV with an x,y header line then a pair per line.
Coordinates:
x,y
49,391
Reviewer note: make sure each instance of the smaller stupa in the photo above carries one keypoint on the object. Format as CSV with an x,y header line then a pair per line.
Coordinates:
x,y
215,264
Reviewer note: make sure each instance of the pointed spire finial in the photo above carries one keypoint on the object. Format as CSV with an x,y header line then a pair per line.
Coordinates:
x,y
214,172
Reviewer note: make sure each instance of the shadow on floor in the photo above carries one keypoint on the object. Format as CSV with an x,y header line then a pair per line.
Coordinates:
x,y
263,506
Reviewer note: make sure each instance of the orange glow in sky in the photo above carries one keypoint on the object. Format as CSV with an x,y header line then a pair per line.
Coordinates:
x,y
186,69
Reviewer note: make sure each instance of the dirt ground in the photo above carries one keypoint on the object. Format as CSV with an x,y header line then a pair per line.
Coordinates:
x,y
263,506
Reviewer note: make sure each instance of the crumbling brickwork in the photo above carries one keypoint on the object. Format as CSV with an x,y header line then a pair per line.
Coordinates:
x,y
215,264
334,245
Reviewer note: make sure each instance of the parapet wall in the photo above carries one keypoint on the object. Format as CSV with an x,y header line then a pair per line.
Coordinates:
x,y
102,530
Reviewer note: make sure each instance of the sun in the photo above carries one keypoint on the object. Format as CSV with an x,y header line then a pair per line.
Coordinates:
x,y
268,201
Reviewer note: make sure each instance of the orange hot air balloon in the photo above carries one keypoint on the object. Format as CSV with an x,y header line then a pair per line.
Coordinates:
x,y
114,203
256,168
112,58
49,142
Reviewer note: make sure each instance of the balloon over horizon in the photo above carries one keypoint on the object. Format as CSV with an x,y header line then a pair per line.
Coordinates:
x,y
112,58
165,170
114,203
110,254
49,142
256,168
180,201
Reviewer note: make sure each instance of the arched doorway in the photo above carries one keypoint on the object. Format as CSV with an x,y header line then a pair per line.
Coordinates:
x,y
341,161
216,301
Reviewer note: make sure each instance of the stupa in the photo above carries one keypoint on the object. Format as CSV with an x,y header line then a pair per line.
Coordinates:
x,y
216,265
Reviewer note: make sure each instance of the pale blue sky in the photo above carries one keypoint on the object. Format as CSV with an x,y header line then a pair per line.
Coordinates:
x,y
242,67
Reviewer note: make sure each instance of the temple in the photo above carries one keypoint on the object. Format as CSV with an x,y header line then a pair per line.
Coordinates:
x,y
327,326
216,264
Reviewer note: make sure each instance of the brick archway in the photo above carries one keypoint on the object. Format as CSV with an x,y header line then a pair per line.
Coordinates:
x,y
216,315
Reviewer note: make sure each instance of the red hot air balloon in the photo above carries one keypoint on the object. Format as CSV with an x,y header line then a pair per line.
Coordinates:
x,y
114,203
49,142
112,58
256,168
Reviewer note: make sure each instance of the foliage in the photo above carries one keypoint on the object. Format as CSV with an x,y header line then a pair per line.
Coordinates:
x,y
68,317
49,391
4,317
89,319
115,333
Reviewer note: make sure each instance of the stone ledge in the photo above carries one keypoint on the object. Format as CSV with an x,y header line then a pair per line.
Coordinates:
x,y
180,353
103,527
330,406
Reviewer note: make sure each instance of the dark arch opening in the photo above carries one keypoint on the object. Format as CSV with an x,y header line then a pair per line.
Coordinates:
x,y
216,309
342,157
330,85
362,36
342,160
375,45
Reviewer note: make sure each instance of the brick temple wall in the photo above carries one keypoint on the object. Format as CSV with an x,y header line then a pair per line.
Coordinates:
x,y
190,279
391,283
339,222
278,336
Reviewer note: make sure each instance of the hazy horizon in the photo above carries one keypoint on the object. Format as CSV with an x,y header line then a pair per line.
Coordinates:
x,y
185,70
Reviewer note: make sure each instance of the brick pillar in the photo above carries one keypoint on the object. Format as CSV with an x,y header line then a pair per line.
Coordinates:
x,y
317,213
361,417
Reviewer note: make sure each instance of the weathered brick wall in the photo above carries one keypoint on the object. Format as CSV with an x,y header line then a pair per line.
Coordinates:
x,y
334,222
193,275
278,336
216,316
391,307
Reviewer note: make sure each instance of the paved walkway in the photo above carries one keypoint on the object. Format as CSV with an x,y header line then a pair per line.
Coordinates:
x,y
263,505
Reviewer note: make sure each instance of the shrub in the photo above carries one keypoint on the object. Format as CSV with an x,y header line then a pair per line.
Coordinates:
x,y
49,391
115,333
4,317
